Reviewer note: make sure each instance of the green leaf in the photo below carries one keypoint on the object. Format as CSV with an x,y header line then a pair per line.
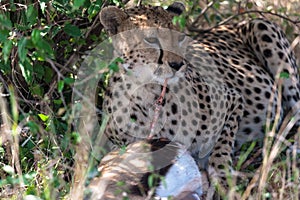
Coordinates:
x,y
114,65
6,50
27,70
78,3
31,14
122,150
37,90
22,50
36,36
57,101
282,9
5,22
249,5
13,7
8,169
150,180
5,67
76,138
43,117
43,6
284,75
94,9
39,71
45,49
33,126
244,156
60,86
4,35
117,2
69,81
180,20
2,151
48,74
55,30
289,30
120,183
72,30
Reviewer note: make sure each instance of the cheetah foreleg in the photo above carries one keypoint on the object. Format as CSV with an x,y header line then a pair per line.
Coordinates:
x,y
220,161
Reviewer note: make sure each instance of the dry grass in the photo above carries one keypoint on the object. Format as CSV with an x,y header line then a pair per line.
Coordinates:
x,y
42,160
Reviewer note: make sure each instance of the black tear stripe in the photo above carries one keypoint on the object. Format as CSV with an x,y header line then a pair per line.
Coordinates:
x,y
161,54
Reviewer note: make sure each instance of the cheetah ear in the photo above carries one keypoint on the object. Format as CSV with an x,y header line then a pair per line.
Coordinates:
x,y
177,8
111,17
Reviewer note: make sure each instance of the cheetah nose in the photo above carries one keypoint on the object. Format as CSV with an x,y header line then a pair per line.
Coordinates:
x,y
175,65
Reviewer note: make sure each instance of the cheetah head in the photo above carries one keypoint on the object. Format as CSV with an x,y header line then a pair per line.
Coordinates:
x,y
147,40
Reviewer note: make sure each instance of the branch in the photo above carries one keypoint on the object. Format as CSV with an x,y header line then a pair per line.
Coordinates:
x,y
295,22
139,3
195,23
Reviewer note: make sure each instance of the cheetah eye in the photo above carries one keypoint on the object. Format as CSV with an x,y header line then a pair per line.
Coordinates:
x,y
152,40
181,38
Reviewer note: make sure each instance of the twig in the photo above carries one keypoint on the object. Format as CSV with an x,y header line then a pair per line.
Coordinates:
x,y
295,42
158,105
195,23
76,91
225,21
73,57
12,131
59,77
252,159
261,13
139,3
4,83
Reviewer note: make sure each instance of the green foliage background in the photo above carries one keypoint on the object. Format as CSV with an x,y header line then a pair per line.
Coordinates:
x,y
42,44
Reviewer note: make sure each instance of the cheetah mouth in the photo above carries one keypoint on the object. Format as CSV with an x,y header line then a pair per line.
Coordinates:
x,y
161,73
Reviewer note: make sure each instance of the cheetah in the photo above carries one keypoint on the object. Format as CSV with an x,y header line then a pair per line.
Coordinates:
x,y
218,87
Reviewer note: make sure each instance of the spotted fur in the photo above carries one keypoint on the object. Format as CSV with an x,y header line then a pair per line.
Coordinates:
x,y
222,85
